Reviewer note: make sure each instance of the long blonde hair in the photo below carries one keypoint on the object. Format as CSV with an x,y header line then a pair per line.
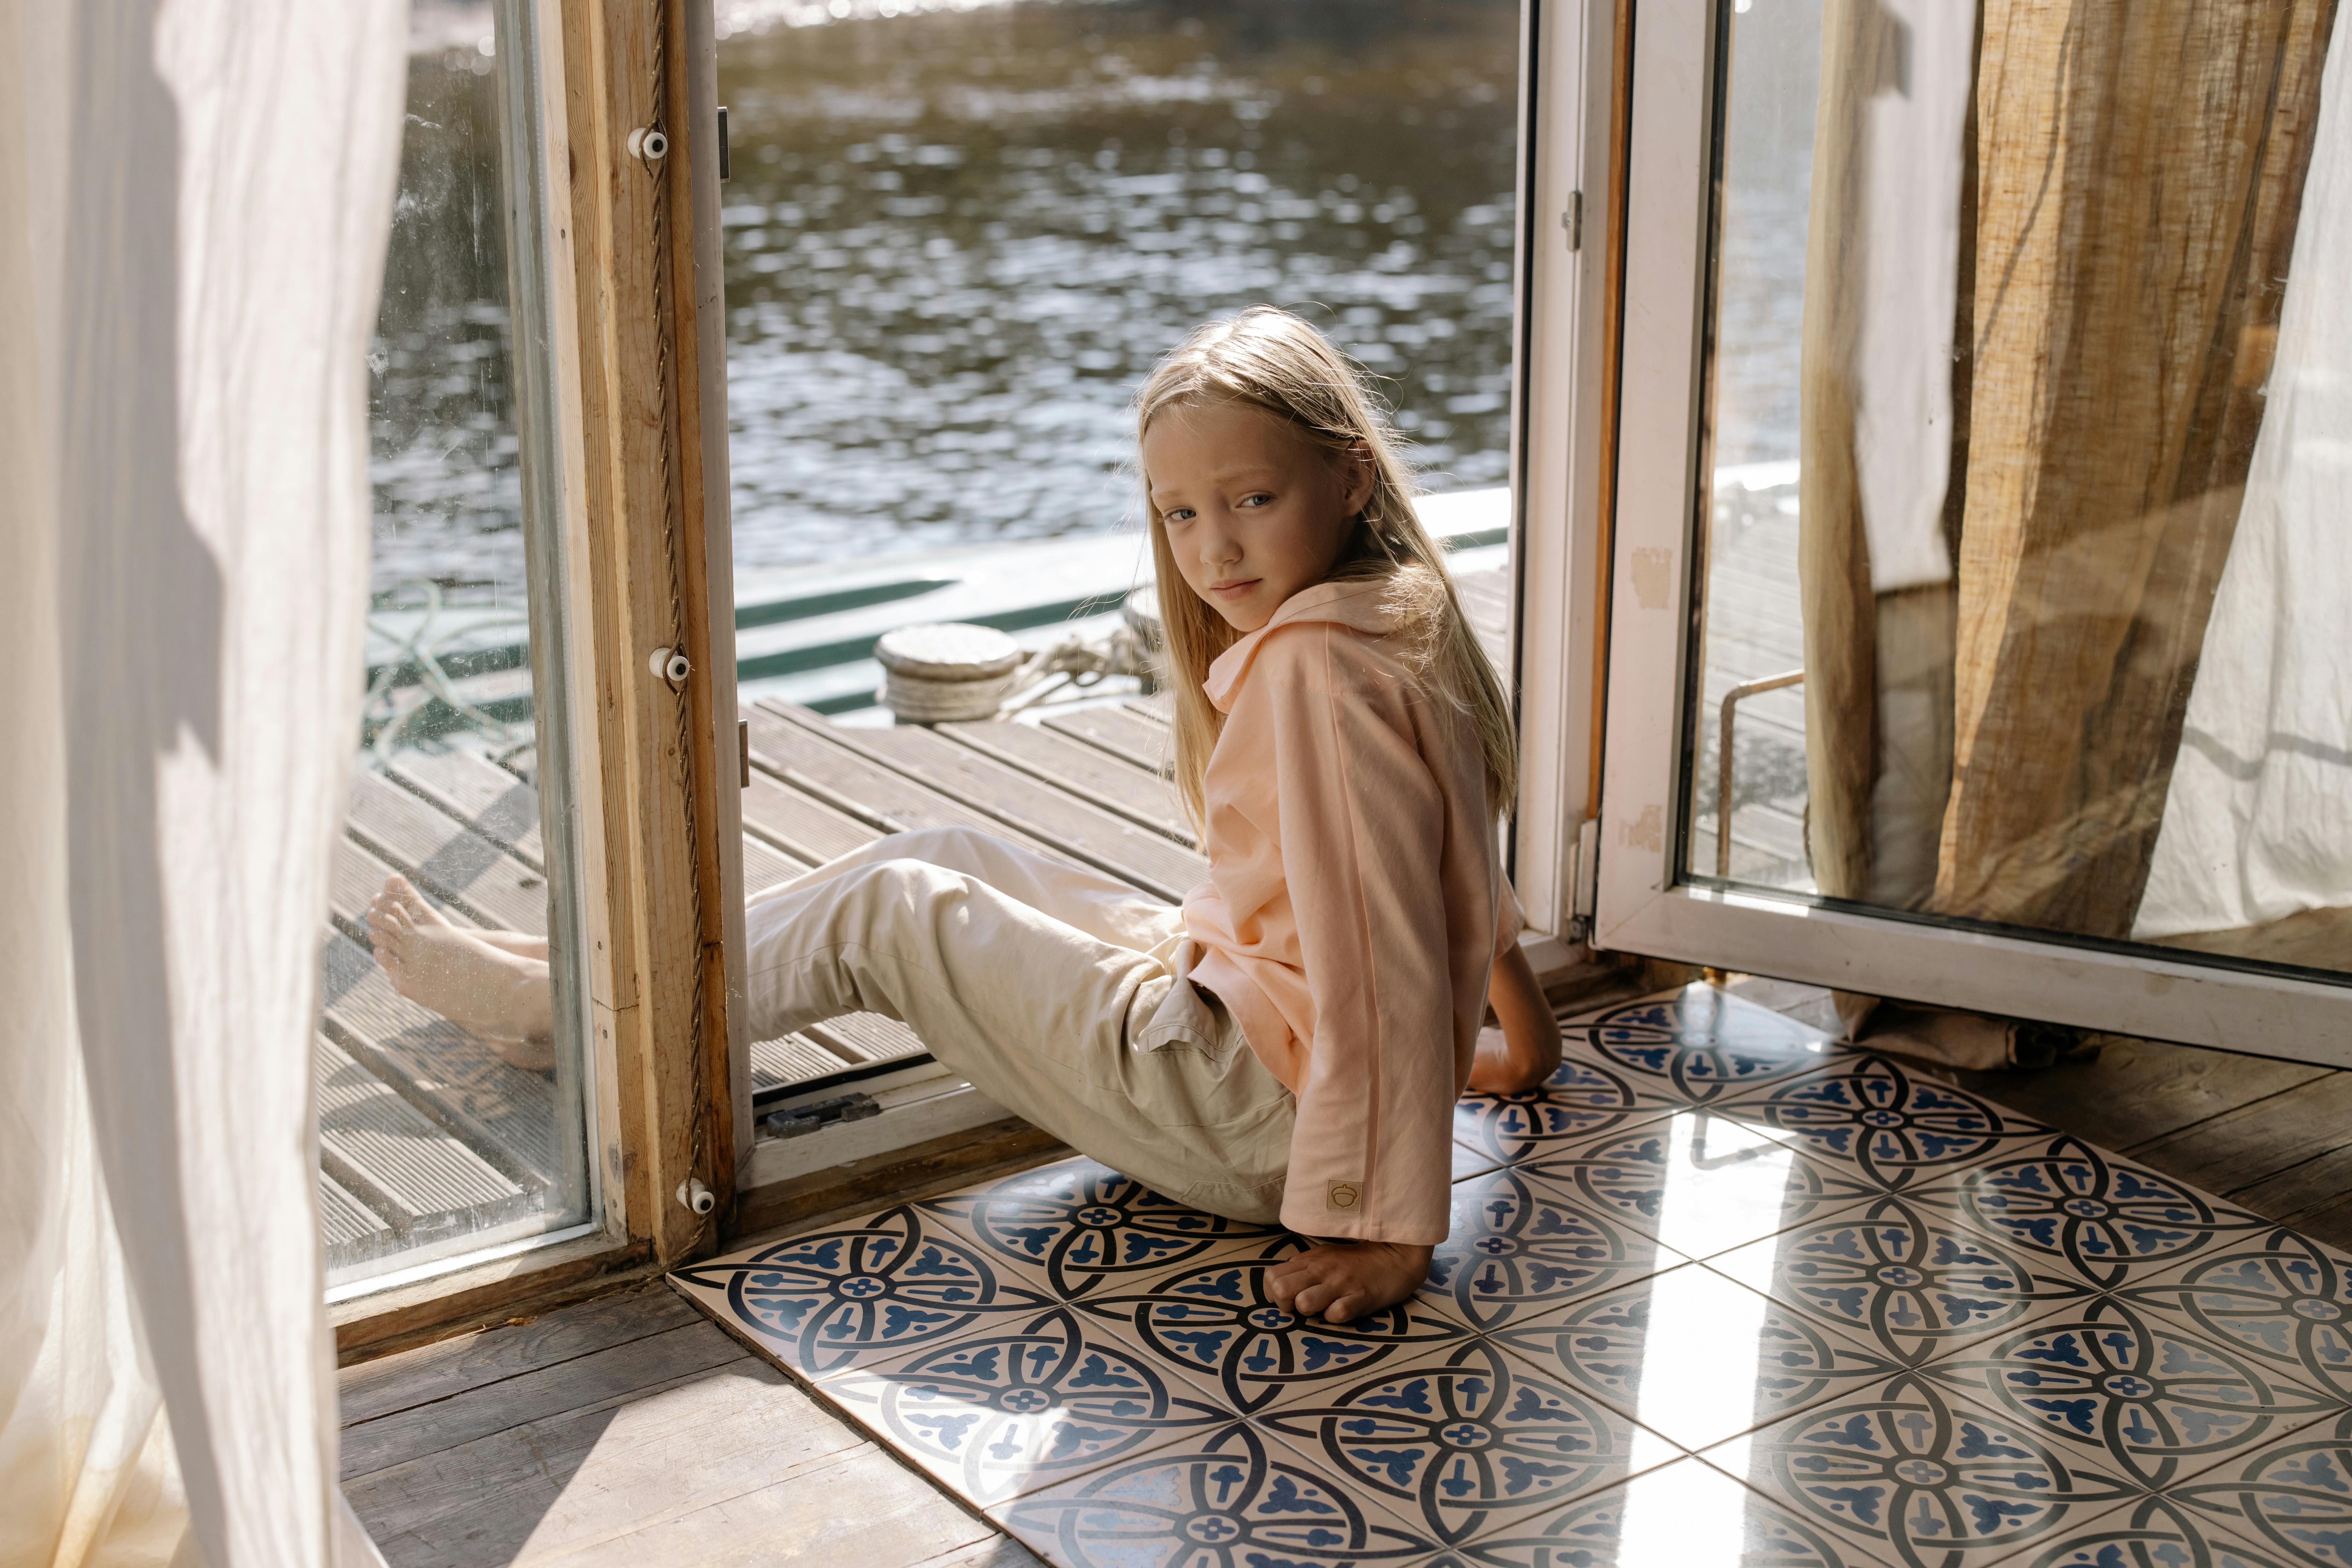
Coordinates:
x,y
1273,361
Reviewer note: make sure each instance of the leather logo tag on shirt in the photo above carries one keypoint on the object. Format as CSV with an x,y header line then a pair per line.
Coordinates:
x,y
1342,1194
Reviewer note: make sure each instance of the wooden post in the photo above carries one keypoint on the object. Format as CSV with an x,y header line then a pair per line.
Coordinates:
x,y
656,973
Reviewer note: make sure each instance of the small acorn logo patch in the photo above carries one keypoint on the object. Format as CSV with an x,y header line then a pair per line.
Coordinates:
x,y
1343,1195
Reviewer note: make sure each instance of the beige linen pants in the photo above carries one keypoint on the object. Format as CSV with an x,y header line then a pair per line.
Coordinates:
x,y
1062,995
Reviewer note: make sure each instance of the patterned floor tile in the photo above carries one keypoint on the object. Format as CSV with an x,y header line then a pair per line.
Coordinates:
x,y
2151,1532
861,1293
1897,1131
2294,1497
1461,1437
2273,1295
1698,1182
1215,1324
1519,1245
1022,1403
1227,1499
2111,1220
1081,1228
1906,1281
1692,1355
1698,1045
1686,1514
2135,1387
1911,1470
1582,1098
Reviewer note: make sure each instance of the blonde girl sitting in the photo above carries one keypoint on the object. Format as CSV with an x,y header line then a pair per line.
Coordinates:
x,y
1287,1047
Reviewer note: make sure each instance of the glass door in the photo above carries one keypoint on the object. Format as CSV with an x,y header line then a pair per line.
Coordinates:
x,y
1976,629
451,1053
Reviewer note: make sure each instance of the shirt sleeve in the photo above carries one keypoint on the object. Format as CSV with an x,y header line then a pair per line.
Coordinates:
x,y
1363,831
1509,921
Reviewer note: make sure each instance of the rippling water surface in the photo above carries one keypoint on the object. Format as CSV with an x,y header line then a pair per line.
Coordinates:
x,y
956,238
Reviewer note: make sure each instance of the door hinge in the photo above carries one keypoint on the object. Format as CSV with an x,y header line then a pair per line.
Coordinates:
x,y
723,148
743,750
1572,220
799,1120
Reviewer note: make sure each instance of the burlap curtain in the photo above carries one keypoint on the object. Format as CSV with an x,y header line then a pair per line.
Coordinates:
x,y
2138,169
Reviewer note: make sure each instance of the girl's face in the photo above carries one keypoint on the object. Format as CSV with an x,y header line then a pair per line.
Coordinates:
x,y
1254,510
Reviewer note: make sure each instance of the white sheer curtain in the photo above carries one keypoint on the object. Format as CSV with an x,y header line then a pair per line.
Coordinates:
x,y
194,199
2258,821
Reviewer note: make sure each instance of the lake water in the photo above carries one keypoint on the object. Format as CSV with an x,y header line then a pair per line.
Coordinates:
x,y
956,238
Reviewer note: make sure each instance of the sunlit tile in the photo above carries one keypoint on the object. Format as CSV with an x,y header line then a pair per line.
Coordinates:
x,y
2150,1532
1463,1436
1216,1325
1907,1282
1022,1403
1236,1497
1082,1228
1699,1045
2135,1387
2109,1219
1892,1127
1911,1470
1699,1182
1518,1244
2274,1295
858,1293
1692,1355
1682,1515
2295,1497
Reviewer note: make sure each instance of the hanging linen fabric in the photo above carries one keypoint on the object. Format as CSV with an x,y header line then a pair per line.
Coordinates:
x,y
194,199
1996,741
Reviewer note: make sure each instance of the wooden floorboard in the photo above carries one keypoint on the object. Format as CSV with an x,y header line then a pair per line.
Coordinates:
x,y
1108,782
789,749
1143,857
478,792
613,1431
439,853
1138,742
799,824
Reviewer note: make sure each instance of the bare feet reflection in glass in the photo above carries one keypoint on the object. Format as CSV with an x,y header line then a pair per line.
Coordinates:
x,y
493,983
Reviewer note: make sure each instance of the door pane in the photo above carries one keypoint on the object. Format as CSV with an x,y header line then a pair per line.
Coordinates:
x,y
2028,425
449,1061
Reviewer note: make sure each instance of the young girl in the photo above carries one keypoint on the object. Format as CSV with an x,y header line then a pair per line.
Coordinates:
x,y
1289,1045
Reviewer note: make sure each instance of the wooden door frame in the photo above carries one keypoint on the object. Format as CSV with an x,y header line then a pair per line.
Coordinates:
x,y
633,275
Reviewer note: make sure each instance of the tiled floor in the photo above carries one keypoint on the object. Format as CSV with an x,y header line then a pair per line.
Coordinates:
x,y
1721,1294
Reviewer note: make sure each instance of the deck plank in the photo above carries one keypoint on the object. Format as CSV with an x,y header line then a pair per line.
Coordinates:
x,y
790,1059
354,1232
386,1152
799,824
503,1112
763,867
407,1434
442,855
813,750
1132,853
868,1038
1136,741
478,792
2246,1146
734,1464
1114,784
435,1372
2135,1092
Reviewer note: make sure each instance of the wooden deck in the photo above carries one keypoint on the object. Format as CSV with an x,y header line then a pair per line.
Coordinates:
x,y
631,1430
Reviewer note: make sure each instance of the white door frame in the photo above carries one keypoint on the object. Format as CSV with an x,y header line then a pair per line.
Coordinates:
x,y
1558,426
1640,907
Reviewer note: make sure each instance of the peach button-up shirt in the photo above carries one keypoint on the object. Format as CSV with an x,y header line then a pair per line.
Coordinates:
x,y
1354,907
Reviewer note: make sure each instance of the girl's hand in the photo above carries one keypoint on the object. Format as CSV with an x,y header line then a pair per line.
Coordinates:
x,y
1342,1281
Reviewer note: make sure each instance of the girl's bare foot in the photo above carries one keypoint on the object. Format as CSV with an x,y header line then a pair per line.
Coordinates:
x,y
496,989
